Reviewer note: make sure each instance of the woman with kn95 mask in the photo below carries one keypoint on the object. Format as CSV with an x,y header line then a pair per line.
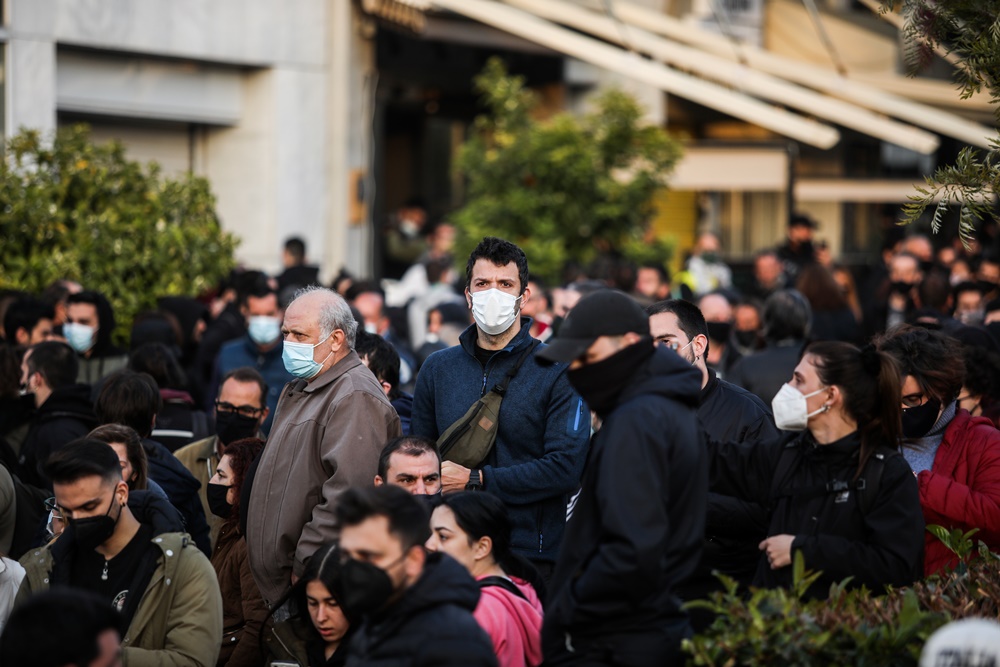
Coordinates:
x,y
835,486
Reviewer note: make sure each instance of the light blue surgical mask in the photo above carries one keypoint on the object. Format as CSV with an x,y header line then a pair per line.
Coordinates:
x,y
298,359
79,336
263,329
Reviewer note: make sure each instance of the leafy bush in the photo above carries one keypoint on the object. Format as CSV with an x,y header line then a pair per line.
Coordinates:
x,y
81,211
564,189
851,627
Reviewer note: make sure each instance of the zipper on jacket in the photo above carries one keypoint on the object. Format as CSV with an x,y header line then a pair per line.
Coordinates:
x,y
541,537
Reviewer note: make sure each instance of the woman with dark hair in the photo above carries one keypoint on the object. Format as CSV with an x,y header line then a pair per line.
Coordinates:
x,y
474,529
955,456
243,609
132,457
321,640
832,317
837,490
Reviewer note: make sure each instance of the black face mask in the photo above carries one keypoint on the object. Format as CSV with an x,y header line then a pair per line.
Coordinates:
x,y
217,502
719,331
901,287
919,420
365,588
93,531
746,339
600,384
232,426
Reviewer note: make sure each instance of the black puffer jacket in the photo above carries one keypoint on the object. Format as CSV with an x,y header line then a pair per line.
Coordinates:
x,y
65,416
878,546
431,625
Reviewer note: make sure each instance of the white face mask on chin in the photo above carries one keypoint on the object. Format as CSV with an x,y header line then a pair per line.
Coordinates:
x,y
494,311
790,410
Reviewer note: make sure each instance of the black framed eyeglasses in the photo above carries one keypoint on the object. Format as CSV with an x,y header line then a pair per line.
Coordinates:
x,y
244,410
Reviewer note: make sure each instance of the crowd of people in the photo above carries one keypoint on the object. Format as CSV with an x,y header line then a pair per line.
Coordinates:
x,y
439,470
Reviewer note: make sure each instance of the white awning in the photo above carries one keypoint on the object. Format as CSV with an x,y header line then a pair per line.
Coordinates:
x,y
811,76
596,52
735,75
872,191
723,169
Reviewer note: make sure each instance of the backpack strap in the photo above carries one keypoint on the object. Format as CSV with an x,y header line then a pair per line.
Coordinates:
x,y
871,477
504,583
501,387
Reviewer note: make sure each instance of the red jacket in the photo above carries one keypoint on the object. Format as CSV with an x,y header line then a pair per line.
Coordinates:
x,y
962,488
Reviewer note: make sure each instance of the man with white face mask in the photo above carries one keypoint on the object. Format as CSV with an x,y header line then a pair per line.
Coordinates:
x,y
260,348
544,426
331,424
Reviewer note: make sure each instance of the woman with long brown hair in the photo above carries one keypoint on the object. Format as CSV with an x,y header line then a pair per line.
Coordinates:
x,y
836,488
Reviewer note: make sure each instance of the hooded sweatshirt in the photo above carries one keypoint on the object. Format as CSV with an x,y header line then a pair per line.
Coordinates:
x,y
64,416
514,624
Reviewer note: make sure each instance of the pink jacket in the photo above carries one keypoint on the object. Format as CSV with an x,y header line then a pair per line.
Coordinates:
x,y
962,488
514,625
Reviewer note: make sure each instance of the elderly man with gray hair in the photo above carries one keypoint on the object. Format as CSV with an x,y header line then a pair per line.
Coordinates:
x,y
329,428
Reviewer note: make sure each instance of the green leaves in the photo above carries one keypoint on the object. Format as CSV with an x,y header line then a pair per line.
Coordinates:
x,y
73,209
565,188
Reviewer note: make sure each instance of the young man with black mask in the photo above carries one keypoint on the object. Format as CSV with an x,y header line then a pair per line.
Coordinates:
x,y
240,411
416,607
636,530
129,550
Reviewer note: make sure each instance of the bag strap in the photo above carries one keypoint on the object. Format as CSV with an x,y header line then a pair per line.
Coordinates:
x,y
501,387
501,582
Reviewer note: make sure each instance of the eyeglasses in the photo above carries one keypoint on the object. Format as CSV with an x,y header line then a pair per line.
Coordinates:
x,y
51,506
672,344
244,410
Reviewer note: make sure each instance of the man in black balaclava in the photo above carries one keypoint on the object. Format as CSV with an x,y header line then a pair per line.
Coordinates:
x,y
635,532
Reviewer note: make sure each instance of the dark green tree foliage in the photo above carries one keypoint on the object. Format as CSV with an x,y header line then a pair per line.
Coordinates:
x,y
73,209
566,188
970,29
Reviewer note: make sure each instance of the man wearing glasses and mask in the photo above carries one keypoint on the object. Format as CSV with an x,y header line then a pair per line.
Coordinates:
x,y
240,411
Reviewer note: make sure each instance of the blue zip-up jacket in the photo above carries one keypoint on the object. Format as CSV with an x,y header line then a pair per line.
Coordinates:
x,y
244,352
542,439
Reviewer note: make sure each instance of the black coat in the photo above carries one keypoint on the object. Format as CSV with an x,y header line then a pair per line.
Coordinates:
x,y
763,373
66,415
637,527
879,547
734,527
431,625
182,489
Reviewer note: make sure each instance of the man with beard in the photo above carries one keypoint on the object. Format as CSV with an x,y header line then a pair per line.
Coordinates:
x,y
727,413
543,425
240,412
636,530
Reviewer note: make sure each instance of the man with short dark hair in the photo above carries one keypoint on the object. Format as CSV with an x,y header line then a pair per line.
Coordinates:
x,y
382,360
332,422
543,426
240,411
85,626
28,321
128,549
636,530
412,463
133,399
652,281
727,413
259,348
416,607
297,273
63,409
90,323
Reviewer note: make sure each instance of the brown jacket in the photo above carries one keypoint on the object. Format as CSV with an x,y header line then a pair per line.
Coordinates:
x,y
243,610
327,436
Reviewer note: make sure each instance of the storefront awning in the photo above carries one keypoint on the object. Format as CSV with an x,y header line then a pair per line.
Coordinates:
x,y
533,28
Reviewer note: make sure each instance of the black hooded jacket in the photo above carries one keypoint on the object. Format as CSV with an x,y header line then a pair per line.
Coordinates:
x,y
67,414
637,528
430,625
879,546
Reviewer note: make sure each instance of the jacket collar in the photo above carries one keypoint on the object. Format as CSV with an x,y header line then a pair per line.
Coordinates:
x,y
710,386
252,348
470,336
352,360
